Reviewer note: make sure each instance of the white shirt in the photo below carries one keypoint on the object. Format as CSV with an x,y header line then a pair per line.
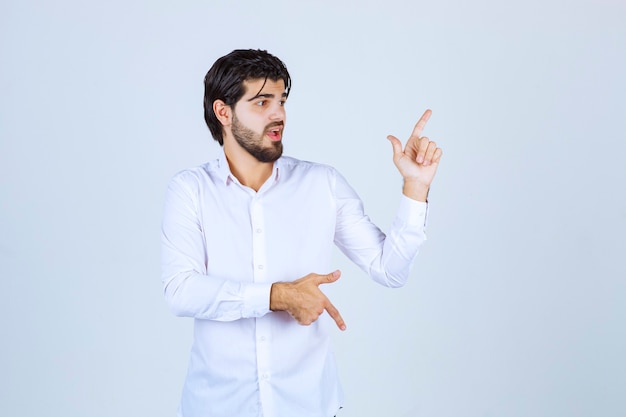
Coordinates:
x,y
224,245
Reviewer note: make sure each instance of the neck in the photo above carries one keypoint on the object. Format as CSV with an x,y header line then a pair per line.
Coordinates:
x,y
245,167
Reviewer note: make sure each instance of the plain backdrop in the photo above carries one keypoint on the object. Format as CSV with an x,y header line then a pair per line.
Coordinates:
x,y
517,304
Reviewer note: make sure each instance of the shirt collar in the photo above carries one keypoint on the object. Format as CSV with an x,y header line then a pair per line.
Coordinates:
x,y
223,170
224,173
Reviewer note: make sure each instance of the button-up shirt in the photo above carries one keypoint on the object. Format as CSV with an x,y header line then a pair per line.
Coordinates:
x,y
223,245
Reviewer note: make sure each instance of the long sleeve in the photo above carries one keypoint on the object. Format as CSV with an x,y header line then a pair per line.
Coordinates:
x,y
189,290
387,259
224,244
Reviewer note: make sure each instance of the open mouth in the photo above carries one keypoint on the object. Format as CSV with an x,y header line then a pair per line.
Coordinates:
x,y
275,133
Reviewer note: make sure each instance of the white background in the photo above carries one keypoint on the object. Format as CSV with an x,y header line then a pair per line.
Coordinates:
x,y
517,305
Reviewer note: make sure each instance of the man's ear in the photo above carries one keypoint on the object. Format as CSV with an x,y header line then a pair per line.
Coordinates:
x,y
223,112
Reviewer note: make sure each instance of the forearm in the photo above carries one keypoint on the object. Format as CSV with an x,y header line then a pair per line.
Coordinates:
x,y
387,259
191,294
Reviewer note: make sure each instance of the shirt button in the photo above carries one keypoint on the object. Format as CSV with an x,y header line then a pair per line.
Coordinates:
x,y
260,266
262,338
259,230
264,376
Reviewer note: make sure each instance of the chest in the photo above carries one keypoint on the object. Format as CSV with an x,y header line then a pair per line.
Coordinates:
x,y
287,231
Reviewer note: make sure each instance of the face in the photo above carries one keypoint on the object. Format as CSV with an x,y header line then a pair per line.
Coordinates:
x,y
259,119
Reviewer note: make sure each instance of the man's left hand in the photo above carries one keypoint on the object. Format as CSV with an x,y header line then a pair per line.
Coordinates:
x,y
418,161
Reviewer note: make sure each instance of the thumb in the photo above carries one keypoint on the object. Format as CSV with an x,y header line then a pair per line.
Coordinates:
x,y
329,278
395,144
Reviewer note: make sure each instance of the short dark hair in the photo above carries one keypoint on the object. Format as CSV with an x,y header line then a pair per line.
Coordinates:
x,y
224,81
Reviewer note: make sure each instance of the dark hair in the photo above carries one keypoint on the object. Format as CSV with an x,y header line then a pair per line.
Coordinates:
x,y
224,81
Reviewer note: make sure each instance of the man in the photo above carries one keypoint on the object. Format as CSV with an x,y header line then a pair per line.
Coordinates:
x,y
247,240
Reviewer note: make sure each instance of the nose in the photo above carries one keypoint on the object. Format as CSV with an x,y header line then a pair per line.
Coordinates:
x,y
277,112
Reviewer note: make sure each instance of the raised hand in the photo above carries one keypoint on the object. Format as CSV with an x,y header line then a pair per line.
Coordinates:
x,y
418,161
303,300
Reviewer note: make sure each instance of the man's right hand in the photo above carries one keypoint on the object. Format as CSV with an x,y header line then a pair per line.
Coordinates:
x,y
303,300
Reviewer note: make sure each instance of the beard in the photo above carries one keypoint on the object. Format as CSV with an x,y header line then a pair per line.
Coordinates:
x,y
252,142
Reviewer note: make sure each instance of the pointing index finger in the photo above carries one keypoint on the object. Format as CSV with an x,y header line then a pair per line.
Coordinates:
x,y
419,126
334,313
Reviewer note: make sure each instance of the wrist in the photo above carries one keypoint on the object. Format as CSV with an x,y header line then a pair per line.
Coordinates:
x,y
415,190
277,296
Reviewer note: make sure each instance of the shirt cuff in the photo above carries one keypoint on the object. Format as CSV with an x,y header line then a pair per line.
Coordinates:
x,y
257,300
412,212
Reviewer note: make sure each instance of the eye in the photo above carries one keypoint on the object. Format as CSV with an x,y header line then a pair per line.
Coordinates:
x,y
261,103
282,103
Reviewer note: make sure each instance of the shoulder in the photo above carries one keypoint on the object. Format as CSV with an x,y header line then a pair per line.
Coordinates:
x,y
314,176
191,173
295,166
195,177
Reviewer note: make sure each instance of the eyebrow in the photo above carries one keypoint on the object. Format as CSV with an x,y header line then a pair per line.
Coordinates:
x,y
266,96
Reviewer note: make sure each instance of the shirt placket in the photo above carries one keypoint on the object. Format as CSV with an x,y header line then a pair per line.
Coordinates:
x,y
259,255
